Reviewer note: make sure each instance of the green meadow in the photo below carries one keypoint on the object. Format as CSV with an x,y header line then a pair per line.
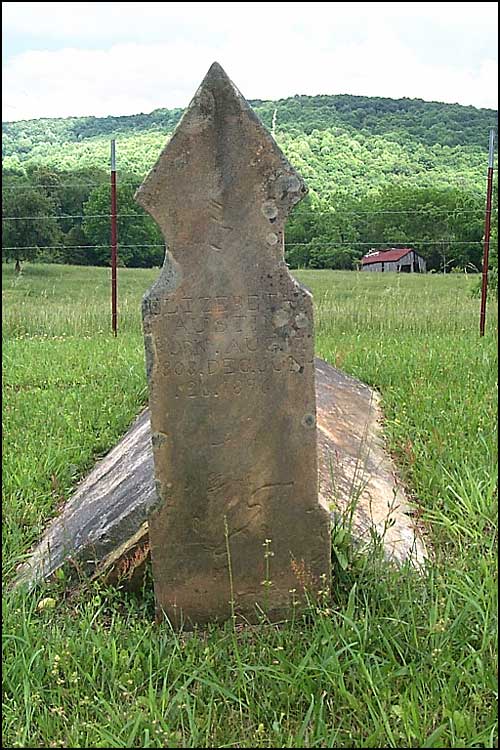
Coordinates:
x,y
393,658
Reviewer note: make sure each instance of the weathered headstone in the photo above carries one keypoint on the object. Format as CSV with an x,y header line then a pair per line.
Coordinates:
x,y
230,361
103,529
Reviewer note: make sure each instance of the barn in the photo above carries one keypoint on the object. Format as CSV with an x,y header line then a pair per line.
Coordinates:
x,y
400,260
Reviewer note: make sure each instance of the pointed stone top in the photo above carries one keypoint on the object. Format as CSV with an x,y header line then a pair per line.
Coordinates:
x,y
215,73
220,151
216,69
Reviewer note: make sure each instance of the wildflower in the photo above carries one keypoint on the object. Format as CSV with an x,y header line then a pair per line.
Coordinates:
x,y
440,626
47,603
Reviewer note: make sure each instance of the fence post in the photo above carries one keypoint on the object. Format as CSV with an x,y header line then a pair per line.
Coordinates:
x,y
487,229
114,242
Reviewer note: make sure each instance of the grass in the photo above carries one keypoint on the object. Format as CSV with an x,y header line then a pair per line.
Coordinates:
x,y
393,659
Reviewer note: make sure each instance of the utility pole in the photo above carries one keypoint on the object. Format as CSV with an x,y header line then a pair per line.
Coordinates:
x,y
487,230
114,241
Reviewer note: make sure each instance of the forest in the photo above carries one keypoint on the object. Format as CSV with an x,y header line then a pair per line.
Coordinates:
x,y
380,172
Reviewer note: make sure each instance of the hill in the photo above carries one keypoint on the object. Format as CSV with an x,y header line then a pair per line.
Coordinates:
x,y
410,135
359,155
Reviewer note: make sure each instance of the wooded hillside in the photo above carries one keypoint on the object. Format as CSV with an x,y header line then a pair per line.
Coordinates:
x,y
380,172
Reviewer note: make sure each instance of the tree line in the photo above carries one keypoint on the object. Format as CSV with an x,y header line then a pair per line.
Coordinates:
x,y
381,172
429,123
63,217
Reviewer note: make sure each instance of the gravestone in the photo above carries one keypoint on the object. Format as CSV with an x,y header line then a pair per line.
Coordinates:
x,y
230,362
229,346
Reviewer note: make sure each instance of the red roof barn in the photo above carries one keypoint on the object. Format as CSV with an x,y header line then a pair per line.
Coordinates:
x,y
400,260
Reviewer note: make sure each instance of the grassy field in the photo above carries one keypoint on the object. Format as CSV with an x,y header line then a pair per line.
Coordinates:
x,y
393,659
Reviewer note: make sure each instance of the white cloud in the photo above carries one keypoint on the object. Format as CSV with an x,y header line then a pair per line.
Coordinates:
x,y
118,19
271,50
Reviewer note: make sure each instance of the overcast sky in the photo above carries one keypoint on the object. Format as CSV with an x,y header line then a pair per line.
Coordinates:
x,y
62,59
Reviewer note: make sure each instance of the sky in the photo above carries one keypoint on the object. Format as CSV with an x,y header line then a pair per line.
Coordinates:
x,y
65,59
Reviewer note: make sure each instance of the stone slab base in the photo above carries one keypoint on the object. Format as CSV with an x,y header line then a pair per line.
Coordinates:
x,y
103,528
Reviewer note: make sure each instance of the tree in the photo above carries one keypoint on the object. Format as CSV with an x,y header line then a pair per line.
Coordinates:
x,y
140,242
444,225
300,228
29,223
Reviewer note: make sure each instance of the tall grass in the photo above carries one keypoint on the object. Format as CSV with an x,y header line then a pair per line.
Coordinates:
x,y
394,659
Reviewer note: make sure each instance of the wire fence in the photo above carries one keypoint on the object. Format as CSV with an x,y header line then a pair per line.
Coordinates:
x,y
425,212
71,216
430,212
58,186
476,172
445,215
389,243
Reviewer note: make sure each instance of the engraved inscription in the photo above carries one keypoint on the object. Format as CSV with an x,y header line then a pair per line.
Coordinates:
x,y
218,231
231,337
